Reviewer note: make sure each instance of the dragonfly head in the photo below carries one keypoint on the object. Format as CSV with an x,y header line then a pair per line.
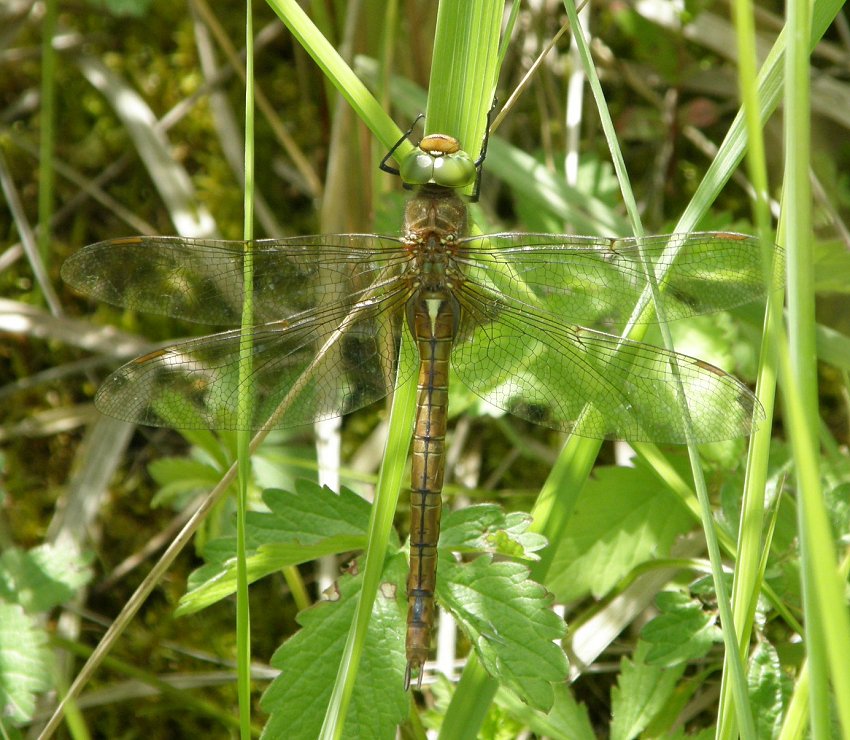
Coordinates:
x,y
438,160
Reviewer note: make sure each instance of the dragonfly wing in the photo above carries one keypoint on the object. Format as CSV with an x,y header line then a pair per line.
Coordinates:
x,y
594,384
599,281
200,280
321,364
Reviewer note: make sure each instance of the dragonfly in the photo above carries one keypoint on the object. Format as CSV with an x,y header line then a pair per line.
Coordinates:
x,y
507,312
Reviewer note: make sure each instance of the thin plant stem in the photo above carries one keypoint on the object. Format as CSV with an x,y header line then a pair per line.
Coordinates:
x,y
246,399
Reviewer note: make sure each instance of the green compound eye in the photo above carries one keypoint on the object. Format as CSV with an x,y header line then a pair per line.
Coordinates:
x,y
454,170
417,168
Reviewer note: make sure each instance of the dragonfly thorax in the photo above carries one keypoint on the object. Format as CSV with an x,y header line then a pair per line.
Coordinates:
x,y
435,219
434,211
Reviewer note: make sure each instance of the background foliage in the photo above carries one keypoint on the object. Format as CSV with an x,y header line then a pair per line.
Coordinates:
x,y
147,139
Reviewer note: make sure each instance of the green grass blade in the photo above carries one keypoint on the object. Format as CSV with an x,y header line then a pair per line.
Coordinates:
x,y
464,70
336,70
750,562
826,615
380,526
246,400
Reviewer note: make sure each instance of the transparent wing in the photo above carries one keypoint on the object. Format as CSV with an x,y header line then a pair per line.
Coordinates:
x,y
598,281
319,364
200,280
590,383
329,312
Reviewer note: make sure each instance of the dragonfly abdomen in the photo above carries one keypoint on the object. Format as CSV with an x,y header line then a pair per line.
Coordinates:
x,y
433,324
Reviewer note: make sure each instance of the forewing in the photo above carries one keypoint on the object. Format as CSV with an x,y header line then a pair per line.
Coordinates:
x,y
320,364
200,280
598,281
590,383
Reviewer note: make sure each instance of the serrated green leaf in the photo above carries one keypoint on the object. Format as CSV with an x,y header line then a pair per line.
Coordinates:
x,y
297,699
216,552
681,632
567,720
486,528
516,528
310,514
310,523
769,689
641,692
624,517
461,529
213,582
24,663
510,622
41,578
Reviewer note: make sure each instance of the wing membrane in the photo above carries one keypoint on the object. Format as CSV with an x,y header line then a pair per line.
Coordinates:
x,y
329,312
319,364
598,280
200,280
590,383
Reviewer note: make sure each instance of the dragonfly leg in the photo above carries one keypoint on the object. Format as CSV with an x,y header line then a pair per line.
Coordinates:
x,y
473,198
386,167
